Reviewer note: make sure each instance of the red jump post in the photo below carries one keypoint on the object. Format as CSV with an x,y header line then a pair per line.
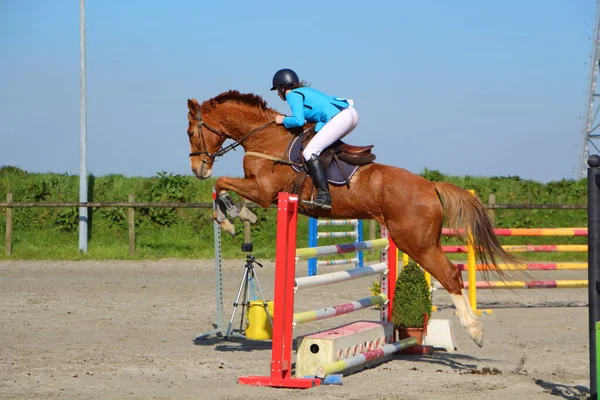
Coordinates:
x,y
283,313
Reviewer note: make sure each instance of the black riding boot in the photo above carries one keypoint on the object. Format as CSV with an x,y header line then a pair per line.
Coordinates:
x,y
319,177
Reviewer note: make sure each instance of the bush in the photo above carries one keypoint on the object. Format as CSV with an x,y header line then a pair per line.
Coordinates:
x,y
411,297
167,188
9,170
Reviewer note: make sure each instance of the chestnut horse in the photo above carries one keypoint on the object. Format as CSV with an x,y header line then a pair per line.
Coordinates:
x,y
411,207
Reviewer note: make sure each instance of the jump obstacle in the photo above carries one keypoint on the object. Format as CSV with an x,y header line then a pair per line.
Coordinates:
x,y
306,282
593,264
286,285
364,354
472,267
282,346
314,235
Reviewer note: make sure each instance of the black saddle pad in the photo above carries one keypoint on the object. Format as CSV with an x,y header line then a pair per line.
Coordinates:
x,y
337,169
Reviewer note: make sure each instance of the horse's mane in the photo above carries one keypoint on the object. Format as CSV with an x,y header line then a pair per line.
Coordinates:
x,y
233,95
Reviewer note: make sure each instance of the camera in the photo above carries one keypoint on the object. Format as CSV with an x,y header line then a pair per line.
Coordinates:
x,y
247,247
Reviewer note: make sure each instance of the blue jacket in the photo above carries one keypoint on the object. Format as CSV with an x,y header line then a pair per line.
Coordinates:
x,y
310,105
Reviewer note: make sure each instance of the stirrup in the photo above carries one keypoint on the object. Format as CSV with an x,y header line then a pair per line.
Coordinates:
x,y
324,202
313,204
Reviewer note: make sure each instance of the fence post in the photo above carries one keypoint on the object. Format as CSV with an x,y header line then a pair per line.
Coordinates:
x,y
372,234
247,232
491,203
8,247
131,225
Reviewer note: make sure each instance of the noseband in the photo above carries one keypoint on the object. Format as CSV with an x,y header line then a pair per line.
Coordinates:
x,y
226,136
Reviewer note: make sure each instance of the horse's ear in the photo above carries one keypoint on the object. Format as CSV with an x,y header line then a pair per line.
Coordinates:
x,y
193,106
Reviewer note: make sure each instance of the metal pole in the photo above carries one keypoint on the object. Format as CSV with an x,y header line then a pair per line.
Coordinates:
x,y
359,238
593,265
313,230
218,325
83,190
590,117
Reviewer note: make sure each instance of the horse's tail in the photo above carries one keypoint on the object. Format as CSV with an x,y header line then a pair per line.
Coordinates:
x,y
464,211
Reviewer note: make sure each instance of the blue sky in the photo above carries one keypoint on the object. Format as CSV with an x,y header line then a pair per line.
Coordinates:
x,y
484,88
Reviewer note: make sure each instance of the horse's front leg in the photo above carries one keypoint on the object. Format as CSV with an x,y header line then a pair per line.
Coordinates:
x,y
246,188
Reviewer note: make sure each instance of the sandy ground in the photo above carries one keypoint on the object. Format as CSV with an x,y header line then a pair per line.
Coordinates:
x,y
125,330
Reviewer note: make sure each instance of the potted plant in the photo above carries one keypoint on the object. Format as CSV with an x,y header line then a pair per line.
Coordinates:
x,y
412,303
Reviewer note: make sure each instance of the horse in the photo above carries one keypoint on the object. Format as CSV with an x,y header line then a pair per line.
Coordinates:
x,y
411,207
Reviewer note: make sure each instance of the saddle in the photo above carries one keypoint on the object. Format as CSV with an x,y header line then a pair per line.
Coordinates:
x,y
340,160
351,154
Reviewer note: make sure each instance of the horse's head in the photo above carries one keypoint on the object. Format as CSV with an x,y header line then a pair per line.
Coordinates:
x,y
204,142
242,118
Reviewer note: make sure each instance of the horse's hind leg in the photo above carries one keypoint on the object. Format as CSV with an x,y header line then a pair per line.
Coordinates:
x,y
434,261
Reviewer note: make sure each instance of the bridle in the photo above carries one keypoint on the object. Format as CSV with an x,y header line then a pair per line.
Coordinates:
x,y
225,136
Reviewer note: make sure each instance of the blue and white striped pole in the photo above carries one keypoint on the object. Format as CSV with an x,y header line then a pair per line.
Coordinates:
x,y
312,242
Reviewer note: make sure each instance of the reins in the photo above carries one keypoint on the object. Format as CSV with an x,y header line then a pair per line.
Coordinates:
x,y
225,149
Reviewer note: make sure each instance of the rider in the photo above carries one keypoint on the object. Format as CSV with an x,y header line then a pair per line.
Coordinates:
x,y
311,105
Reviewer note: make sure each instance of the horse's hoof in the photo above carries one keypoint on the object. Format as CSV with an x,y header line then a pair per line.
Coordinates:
x,y
247,215
227,226
476,333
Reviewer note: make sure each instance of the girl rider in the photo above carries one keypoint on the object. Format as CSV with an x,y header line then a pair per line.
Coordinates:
x,y
335,118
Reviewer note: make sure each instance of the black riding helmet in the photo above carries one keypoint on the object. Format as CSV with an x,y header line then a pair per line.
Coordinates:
x,y
284,77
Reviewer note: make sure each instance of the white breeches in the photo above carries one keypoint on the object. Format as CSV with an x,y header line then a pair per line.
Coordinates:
x,y
337,127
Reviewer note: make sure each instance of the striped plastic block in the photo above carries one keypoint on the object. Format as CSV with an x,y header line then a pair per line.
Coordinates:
x,y
343,342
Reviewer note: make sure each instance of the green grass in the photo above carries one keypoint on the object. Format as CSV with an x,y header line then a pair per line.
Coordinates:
x,y
178,241
183,240
51,233
188,241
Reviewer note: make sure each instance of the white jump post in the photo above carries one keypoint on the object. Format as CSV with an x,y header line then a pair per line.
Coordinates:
x,y
219,327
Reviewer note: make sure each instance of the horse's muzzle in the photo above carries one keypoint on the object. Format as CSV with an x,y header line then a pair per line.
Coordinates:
x,y
204,172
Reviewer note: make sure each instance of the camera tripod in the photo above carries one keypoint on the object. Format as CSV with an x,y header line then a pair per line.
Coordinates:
x,y
249,273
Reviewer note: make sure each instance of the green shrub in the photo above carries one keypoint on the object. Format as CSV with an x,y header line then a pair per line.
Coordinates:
x,y
9,170
411,297
68,219
167,188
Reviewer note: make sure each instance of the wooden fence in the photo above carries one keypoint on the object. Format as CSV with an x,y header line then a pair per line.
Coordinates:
x,y
131,205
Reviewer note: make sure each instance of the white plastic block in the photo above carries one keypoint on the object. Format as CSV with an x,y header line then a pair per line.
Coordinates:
x,y
440,335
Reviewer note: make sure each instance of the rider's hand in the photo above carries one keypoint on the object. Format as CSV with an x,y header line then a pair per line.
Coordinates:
x,y
279,119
